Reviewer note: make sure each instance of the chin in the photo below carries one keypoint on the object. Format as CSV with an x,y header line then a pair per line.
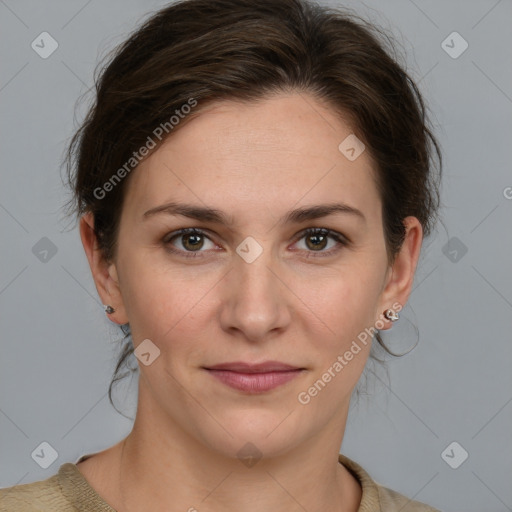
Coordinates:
x,y
255,433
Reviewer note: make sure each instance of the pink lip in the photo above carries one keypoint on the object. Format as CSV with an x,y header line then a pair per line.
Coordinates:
x,y
254,378
265,367
254,382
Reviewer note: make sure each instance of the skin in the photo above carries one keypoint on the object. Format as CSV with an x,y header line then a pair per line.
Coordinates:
x,y
255,161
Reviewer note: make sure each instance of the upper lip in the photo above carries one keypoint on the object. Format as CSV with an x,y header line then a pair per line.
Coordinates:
x,y
265,367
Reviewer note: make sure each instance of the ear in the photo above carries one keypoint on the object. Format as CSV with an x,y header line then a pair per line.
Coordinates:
x,y
400,276
104,273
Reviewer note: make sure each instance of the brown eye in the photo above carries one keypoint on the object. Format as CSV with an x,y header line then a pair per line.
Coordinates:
x,y
317,239
192,242
187,242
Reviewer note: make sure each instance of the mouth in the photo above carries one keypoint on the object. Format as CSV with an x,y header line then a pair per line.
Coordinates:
x,y
254,378
264,367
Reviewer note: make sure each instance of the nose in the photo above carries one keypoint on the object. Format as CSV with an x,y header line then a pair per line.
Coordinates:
x,y
255,299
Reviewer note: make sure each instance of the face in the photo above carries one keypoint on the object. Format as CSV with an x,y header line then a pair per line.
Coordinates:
x,y
252,285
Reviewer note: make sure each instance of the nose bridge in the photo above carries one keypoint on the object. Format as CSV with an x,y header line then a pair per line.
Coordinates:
x,y
255,277
255,302
252,271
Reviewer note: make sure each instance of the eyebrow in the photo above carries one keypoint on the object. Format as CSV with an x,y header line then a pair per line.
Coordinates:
x,y
207,214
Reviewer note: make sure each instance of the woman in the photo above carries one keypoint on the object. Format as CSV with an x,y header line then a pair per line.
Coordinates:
x,y
253,183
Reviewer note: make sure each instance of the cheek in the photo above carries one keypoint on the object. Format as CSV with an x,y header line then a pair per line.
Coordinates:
x,y
338,314
160,302
341,305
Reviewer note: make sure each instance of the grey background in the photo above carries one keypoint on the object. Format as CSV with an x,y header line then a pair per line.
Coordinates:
x,y
58,349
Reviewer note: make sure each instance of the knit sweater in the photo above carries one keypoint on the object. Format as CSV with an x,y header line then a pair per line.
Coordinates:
x,y
69,491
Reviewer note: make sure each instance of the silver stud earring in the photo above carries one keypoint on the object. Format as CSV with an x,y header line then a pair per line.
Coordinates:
x,y
108,309
392,315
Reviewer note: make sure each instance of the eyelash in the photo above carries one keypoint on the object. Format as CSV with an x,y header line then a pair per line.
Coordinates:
x,y
338,237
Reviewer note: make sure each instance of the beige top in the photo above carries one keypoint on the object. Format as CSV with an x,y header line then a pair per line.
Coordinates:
x,y
69,491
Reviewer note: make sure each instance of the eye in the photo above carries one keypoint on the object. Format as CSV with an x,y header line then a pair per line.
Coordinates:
x,y
317,239
191,239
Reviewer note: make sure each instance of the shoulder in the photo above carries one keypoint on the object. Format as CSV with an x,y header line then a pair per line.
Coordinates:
x,y
43,495
392,501
66,491
377,497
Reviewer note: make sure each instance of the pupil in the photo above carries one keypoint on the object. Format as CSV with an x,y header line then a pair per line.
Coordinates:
x,y
320,238
194,245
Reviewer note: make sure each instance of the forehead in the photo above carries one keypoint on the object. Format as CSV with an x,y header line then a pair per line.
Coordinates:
x,y
266,156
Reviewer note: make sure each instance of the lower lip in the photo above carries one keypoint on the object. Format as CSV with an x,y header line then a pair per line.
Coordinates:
x,y
254,382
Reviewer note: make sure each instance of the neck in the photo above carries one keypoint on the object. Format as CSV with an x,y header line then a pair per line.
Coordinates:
x,y
164,467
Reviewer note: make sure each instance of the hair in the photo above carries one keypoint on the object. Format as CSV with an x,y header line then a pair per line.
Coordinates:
x,y
213,50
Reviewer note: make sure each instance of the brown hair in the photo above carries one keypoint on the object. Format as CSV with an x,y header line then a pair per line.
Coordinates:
x,y
210,50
